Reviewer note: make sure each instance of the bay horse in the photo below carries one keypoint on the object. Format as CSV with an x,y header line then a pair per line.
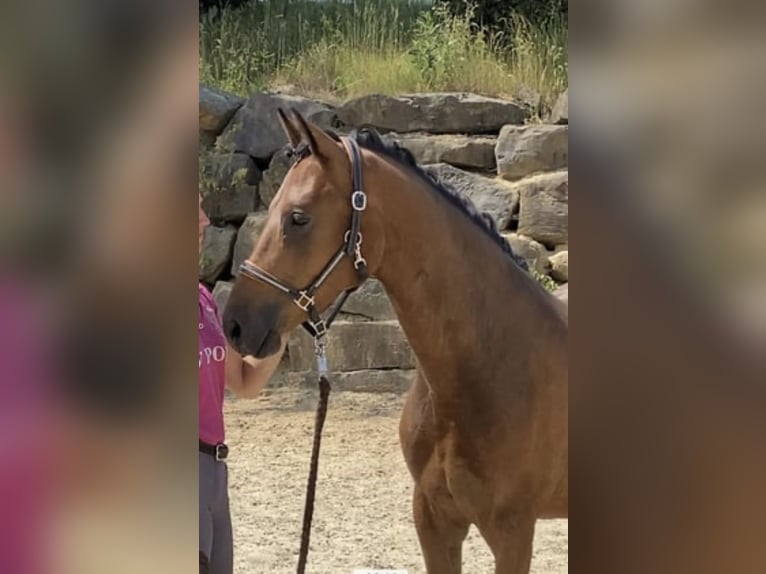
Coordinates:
x,y
484,430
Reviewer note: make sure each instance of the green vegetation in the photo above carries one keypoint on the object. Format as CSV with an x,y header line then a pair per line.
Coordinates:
x,y
494,14
544,280
339,49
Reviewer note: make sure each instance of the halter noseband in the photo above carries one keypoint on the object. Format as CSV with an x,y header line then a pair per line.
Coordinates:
x,y
316,326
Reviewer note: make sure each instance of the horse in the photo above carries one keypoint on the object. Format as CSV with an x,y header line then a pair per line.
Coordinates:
x,y
484,430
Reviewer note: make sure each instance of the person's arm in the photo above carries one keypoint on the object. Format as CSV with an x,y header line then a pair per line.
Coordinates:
x,y
246,376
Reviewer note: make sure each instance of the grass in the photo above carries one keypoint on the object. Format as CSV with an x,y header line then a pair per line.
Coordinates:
x,y
342,49
544,280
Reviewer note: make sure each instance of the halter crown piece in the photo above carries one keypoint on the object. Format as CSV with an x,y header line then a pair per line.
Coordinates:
x,y
351,246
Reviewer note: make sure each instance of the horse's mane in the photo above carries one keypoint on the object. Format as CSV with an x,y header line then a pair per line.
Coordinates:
x,y
369,138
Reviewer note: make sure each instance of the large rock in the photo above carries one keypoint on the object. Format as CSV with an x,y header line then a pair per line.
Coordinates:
x,y
560,266
216,108
531,251
255,128
560,111
229,186
217,245
562,293
364,381
530,98
355,346
247,236
544,208
475,152
221,293
207,140
527,150
272,178
369,303
433,113
491,195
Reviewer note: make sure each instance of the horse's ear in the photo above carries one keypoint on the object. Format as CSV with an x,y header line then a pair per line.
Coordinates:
x,y
322,146
292,133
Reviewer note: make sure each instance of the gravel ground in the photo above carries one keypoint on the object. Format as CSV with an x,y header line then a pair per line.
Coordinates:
x,y
362,517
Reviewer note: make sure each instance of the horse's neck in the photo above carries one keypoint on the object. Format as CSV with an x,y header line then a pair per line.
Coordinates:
x,y
453,289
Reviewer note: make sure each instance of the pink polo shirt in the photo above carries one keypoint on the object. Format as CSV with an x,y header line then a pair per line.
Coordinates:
x,y
212,370
28,430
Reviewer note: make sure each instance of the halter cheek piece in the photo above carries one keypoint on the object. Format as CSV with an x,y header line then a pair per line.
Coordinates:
x,y
315,325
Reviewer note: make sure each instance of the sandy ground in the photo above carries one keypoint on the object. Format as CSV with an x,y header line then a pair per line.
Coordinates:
x,y
362,517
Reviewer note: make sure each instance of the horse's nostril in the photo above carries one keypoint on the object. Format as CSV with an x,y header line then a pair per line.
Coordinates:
x,y
234,332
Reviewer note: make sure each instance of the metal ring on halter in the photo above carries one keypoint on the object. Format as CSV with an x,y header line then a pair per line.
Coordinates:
x,y
320,329
359,200
304,301
358,238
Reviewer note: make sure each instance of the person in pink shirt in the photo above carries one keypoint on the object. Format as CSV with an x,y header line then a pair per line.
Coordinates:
x,y
219,367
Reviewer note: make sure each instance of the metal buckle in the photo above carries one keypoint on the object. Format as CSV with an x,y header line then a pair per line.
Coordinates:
x,y
304,301
359,200
221,452
320,328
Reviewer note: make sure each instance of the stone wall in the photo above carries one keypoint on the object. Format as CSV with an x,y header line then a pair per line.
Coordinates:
x,y
513,169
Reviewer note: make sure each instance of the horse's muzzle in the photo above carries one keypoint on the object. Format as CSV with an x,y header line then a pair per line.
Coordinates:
x,y
252,331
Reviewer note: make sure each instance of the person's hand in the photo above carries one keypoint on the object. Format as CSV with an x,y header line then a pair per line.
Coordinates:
x,y
247,376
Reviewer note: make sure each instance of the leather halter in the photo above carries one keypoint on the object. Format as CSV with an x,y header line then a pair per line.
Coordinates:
x,y
351,246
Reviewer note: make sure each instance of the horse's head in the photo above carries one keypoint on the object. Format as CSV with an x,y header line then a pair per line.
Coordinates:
x,y
303,235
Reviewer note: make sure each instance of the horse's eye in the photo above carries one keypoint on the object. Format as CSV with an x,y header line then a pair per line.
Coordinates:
x,y
299,219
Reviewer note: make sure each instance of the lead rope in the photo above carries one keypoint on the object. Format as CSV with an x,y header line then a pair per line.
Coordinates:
x,y
321,413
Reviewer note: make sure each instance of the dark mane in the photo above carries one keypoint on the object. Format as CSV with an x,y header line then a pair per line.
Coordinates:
x,y
370,139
